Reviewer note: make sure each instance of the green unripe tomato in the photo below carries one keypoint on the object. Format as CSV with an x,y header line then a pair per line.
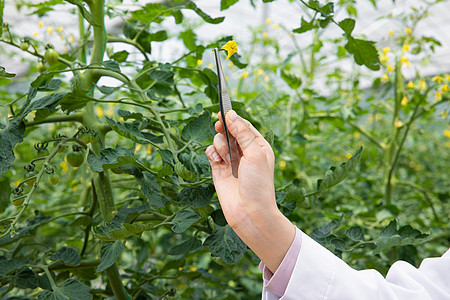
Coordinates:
x,y
29,175
51,56
53,178
85,137
41,67
75,158
24,46
42,152
17,202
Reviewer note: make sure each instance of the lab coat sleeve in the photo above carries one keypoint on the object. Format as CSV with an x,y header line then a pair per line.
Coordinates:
x,y
319,274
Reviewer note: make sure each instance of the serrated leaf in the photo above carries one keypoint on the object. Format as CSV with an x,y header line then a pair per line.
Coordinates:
x,y
305,26
226,244
183,220
364,52
114,231
112,65
130,115
71,289
48,102
198,129
186,247
183,172
111,158
131,131
207,18
293,80
196,197
11,135
7,266
389,230
73,102
120,56
107,90
189,37
69,256
355,233
347,25
109,253
339,173
151,189
126,215
166,170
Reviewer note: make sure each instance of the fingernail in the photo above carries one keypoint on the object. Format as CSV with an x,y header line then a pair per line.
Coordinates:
x,y
232,114
216,157
228,158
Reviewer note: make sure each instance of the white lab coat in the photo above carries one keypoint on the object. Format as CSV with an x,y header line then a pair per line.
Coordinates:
x,y
320,275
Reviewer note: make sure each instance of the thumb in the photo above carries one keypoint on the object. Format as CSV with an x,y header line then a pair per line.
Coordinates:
x,y
242,132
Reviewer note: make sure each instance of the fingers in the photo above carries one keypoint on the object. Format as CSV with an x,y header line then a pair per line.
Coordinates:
x,y
221,146
220,169
244,134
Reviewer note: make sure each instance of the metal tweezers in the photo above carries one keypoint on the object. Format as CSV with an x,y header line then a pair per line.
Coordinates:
x,y
225,106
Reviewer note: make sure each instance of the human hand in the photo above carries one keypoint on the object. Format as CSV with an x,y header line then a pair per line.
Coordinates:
x,y
248,202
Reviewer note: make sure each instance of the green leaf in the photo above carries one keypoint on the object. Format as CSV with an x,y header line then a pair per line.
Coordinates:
x,y
84,12
151,189
120,56
130,30
347,25
126,215
7,266
9,137
5,74
225,4
166,170
183,172
159,36
111,158
191,5
69,256
71,289
225,243
293,80
389,230
107,90
114,231
189,37
163,74
305,26
131,131
73,102
198,129
186,247
319,234
130,115
197,197
337,174
48,102
364,52
355,233
109,253
183,220
112,65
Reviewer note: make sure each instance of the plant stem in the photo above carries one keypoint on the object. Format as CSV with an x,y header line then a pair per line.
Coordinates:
x,y
77,117
83,56
116,283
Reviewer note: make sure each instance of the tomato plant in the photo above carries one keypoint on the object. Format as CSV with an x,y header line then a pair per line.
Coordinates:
x,y
153,227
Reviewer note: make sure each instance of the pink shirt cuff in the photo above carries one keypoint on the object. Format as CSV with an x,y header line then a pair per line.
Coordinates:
x,y
277,283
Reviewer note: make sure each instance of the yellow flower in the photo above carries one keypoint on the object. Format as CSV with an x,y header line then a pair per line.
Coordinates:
x,y
59,29
357,135
404,101
398,123
99,111
408,30
64,166
404,60
445,88
149,149
71,39
437,78
61,37
138,147
49,29
282,164
230,64
348,156
276,26
245,74
444,113
210,66
384,58
231,48
422,85
265,35
210,271
266,78
40,24
232,283
199,62
447,77
411,85
386,50
390,68
259,72
35,34
390,32
406,47
447,133
384,78
268,21
438,95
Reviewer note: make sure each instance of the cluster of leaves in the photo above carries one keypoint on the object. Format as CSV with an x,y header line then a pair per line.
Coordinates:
x,y
154,218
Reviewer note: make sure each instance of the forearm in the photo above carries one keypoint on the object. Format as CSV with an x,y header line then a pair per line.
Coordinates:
x,y
269,235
